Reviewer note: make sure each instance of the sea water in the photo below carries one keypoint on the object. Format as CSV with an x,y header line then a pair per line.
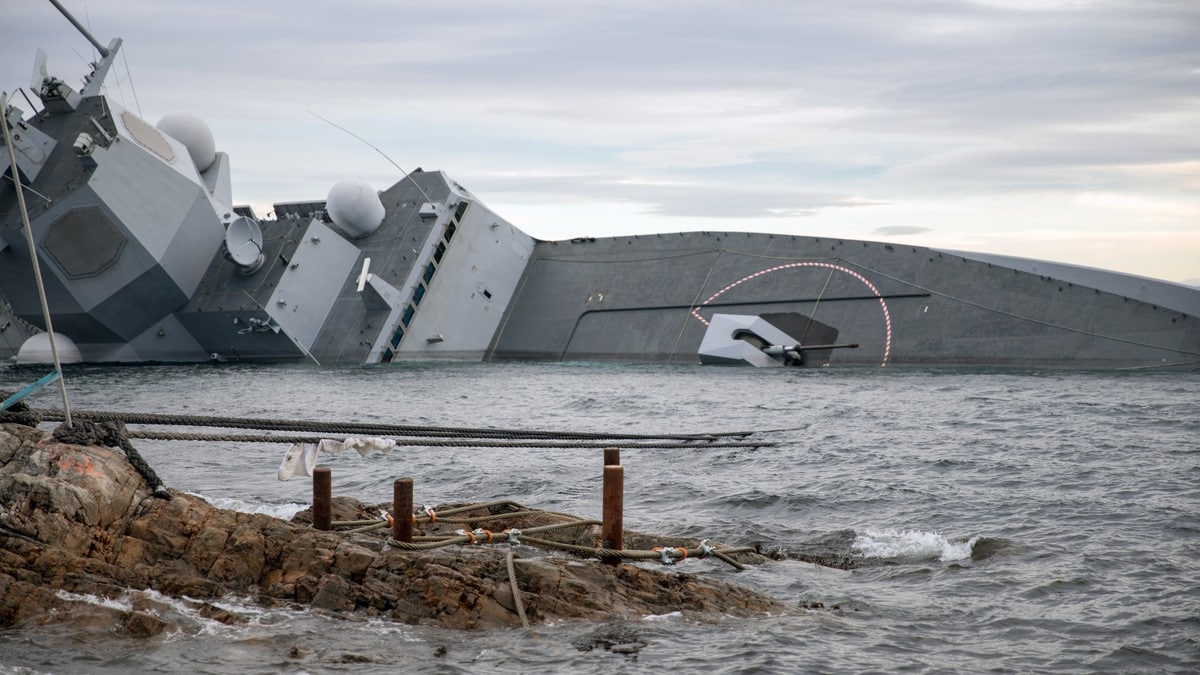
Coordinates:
x,y
995,521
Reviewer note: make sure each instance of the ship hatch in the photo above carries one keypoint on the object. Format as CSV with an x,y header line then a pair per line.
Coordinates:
x,y
83,242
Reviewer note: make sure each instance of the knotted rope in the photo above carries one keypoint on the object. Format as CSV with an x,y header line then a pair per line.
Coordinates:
x,y
20,412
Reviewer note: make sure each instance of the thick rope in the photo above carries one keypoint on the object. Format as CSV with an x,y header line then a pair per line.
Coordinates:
x,y
440,442
19,412
516,592
359,429
667,555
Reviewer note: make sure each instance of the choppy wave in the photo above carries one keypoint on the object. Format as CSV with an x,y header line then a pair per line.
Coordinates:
x,y
911,545
183,615
281,511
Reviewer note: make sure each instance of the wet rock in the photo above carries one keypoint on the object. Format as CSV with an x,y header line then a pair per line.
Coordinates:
x,y
141,625
619,638
80,519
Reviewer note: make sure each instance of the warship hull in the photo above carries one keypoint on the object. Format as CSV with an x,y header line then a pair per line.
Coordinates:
x,y
144,258
651,298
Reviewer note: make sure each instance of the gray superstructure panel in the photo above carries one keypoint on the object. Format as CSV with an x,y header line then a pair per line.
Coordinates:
x,y
467,286
355,323
342,324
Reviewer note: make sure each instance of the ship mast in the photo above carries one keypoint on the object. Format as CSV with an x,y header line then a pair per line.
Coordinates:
x,y
108,54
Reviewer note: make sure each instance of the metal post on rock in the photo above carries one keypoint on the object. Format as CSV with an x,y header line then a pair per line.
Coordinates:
x,y
402,510
612,516
322,505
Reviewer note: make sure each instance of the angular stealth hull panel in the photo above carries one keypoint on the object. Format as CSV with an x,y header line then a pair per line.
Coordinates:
x,y
647,298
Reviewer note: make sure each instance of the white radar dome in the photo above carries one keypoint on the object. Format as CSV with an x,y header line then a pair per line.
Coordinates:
x,y
355,207
195,136
37,350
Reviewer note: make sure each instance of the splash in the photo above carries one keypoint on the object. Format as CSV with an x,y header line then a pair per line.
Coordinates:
x,y
281,511
911,545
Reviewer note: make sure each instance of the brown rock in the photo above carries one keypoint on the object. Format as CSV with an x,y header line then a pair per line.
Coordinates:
x,y
79,518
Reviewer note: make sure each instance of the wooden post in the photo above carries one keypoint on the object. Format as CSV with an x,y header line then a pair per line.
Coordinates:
x,y
322,504
402,510
611,525
612,456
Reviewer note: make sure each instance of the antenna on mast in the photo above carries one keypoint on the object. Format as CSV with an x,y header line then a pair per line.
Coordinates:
x,y
99,47
107,54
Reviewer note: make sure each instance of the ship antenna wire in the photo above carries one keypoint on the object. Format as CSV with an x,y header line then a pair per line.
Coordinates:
x,y
128,73
804,335
132,86
381,153
37,270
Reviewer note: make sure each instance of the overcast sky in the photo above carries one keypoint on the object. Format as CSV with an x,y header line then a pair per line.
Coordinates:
x,y
1066,130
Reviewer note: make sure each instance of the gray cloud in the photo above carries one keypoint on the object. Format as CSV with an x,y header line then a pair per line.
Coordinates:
x,y
901,230
731,199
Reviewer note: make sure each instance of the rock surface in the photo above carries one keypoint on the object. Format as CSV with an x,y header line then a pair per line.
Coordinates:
x,y
79,519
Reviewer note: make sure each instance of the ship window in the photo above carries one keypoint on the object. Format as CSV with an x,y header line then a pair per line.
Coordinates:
x,y
387,356
429,270
418,294
397,337
441,251
408,315
450,232
458,212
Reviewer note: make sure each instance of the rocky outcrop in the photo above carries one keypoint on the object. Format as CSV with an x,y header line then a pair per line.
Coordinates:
x,y
79,519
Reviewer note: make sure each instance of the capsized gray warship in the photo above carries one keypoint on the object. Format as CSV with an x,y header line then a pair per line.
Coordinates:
x,y
145,258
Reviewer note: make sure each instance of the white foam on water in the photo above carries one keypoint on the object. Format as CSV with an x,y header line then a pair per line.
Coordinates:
x,y
183,613
910,545
187,613
123,603
281,511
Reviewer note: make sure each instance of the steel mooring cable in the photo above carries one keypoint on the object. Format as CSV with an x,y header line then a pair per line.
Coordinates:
x,y
427,435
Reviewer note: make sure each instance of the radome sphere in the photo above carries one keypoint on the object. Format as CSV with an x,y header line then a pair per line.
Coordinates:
x,y
37,350
195,136
355,207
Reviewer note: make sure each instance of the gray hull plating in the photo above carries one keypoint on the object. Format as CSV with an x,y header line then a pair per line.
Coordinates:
x,y
646,298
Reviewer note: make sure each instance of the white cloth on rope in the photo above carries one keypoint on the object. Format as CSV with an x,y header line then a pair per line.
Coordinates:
x,y
302,457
